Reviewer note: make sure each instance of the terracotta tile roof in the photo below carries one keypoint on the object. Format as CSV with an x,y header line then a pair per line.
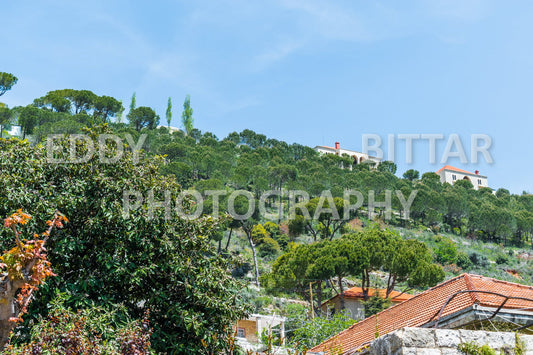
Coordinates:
x,y
424,307
453,168
357,293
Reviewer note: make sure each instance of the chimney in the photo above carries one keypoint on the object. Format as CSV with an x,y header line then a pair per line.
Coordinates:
x,y
477,172
337,145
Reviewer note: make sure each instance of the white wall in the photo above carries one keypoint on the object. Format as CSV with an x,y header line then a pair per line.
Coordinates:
x,y
360,156
476,180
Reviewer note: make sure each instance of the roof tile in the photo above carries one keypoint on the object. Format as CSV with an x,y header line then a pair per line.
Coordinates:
x,y
357,293
453,168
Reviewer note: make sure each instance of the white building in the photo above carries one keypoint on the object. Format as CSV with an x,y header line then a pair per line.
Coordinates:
x,y
357,156
15,131
452,174
172,129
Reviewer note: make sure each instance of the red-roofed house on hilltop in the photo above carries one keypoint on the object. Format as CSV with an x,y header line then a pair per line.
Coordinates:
x,y
451,174
353,301
464,302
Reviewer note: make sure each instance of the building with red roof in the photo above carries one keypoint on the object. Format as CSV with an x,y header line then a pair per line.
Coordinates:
x,y
451,174
353,301
460,302
358,157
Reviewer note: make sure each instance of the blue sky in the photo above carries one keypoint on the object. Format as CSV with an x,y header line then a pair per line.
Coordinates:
x,y
306,71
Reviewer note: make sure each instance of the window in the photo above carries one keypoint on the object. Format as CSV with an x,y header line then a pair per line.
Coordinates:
x,y
454,177
241,333
479,181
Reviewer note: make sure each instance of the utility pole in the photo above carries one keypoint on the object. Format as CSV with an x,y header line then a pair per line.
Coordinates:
x,y
311,298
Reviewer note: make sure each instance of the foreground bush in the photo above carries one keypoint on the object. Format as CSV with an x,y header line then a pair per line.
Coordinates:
x,y
88,331
104,256
312,332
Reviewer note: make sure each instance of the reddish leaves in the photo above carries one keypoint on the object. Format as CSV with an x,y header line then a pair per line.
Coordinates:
x,y
27,261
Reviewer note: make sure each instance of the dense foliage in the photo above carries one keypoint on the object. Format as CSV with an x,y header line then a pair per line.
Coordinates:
x,y
403,261
253,162
85,332
310,333
7,80
142,260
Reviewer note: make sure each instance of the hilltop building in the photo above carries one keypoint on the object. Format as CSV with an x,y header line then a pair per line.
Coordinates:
x,y
357,156
172,129
452,174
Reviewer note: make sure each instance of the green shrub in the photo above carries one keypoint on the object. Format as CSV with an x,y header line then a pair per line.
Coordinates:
x,y
93,330
261,302
501,258
105,257
314,331
472,348
269,247
241,270
479,260
282,239
463,261
259,233
296,226
272,228
446,251
376,304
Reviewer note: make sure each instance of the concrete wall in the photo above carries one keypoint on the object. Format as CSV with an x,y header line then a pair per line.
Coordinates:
x,y
417,341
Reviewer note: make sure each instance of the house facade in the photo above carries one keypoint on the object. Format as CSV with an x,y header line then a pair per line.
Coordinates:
x,y
353,302
451,174
171,128
357,156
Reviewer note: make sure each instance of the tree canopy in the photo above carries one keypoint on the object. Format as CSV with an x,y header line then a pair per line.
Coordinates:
x,y
404,261
142,117
7,81
186,117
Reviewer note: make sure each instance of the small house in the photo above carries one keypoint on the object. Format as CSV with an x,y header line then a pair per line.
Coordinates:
x,y
353,301
451,175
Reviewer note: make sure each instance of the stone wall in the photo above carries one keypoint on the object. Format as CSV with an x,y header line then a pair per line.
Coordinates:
x,y
424,341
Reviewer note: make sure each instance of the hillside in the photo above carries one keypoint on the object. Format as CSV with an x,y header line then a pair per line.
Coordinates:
x,y
263,189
